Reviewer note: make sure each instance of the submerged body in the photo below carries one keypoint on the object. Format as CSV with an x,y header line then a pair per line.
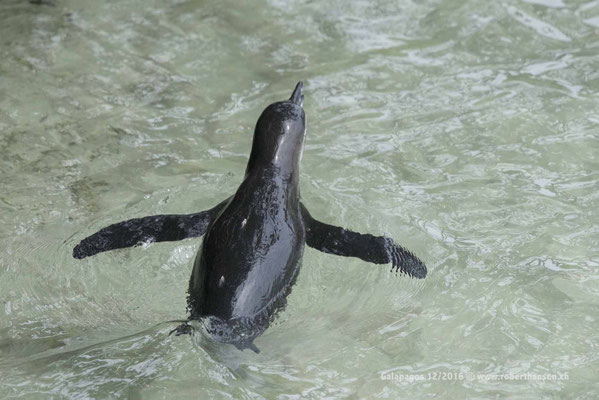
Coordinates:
x,y
254,241
249,259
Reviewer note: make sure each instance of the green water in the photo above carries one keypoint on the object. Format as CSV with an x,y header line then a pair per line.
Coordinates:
x,y
466,130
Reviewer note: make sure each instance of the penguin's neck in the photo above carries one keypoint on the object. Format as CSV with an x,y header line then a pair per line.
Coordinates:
x,y
278,162
278,177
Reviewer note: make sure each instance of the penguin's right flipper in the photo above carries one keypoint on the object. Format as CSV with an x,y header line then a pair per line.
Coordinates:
x,y
375,249
155,228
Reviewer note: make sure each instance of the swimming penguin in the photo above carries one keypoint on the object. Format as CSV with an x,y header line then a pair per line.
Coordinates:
x,y
254,240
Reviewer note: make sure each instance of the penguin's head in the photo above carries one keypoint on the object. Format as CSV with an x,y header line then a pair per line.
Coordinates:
x,y
280,132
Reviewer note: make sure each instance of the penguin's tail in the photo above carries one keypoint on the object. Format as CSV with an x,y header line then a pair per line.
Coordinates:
x,y
248,344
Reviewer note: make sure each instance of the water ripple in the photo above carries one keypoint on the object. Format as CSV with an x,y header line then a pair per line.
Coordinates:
x,y
467,131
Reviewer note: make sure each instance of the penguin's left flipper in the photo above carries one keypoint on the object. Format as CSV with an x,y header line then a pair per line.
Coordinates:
x,y
155,228
375,249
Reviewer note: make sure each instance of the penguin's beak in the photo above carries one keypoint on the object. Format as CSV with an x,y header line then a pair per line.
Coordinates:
x,y
297,97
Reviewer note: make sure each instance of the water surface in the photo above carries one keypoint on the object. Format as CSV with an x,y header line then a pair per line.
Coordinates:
x,y
466,130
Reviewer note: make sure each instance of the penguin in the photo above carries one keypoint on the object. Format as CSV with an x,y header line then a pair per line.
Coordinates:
x,y
254,240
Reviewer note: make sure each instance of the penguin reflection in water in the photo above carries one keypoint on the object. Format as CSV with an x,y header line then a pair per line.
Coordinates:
x,y
254,240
